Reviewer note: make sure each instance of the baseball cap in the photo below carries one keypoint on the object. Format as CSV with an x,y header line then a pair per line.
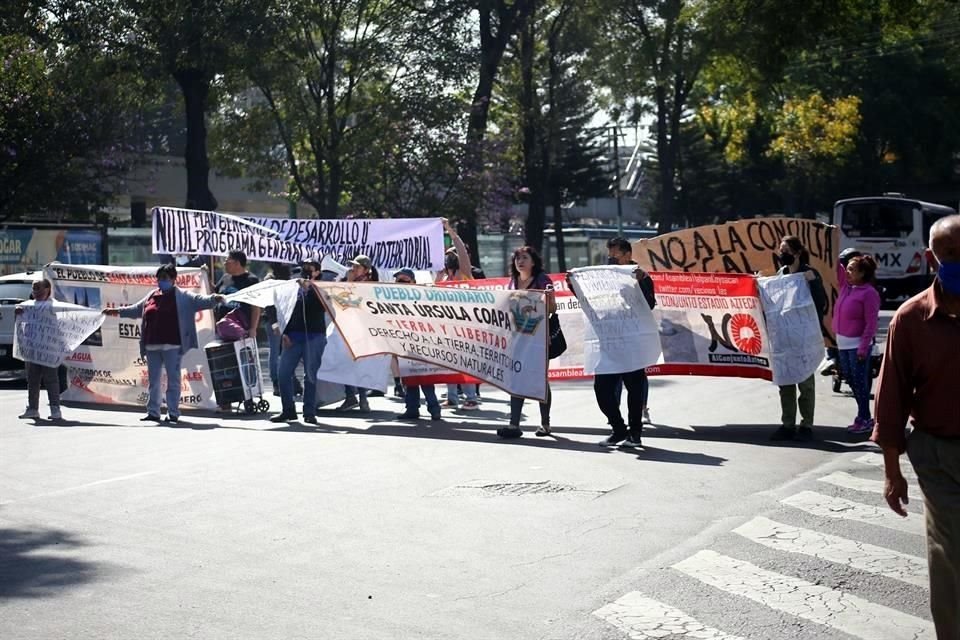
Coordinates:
x,y
362,260
407,273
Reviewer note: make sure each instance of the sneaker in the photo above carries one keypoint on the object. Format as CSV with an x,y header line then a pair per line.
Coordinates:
x,y
224,409
805,434
348,403
543,431
470,405
646,416
449,405
511,432
408,415
375,393
612,441
632,442
172,419
436,417
55,413
364,405
150,418
784,433
310,419
29,413
861,426
828,367
284,417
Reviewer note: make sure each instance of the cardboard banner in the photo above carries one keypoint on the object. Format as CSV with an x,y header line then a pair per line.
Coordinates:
x,y
746,246
620,334
107,368
569,366
47,332
710,325
793,326
499,337
391,244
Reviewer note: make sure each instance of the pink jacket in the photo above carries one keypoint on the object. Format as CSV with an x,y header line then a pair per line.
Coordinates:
x,y
856,312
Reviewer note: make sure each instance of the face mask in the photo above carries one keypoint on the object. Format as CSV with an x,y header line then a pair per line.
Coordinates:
x,y
949,275
612,260
308,275
165,285
787,259
182,260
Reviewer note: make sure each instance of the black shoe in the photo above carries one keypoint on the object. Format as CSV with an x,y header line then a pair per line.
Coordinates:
x,y
783,434
509,433
375,393
150,418
436,417
408,415
632,442
348,404
805,434
612,441
172,419
310,419
284,417
399,391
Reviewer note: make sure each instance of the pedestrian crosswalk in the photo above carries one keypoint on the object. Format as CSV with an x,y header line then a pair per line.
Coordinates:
x,y
758,574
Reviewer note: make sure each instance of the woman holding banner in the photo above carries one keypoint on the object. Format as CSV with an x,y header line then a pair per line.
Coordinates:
x,y
526,272
361,270
168,331
795,259
855,324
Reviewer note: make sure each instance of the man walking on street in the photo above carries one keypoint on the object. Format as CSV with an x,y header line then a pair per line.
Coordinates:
x,y
918,381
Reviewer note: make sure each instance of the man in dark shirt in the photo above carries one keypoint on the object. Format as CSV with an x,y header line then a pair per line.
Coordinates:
x,y
304,339
607,387
235,278
919,381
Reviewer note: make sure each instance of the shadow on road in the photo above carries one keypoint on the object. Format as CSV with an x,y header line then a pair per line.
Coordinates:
x,y
834,439
27,571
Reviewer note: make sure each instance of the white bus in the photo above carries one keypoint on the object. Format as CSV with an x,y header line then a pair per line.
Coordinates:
x,y
895,230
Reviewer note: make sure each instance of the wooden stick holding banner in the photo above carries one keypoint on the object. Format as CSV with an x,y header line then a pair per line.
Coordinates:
x,y
499,337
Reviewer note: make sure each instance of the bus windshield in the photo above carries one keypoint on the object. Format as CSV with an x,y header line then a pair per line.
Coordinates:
x,y
877,219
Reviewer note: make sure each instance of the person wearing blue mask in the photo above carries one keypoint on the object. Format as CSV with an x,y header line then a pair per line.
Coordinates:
x,y
167,332
918,384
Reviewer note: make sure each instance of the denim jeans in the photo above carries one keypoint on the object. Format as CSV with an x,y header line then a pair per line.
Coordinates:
x,y
469,391
412,399
857,373
310,351
158,361
274,341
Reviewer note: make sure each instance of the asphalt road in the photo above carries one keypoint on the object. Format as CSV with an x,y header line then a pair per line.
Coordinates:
x,y
370,528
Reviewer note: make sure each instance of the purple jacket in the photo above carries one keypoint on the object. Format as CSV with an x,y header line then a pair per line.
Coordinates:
x,y
856,312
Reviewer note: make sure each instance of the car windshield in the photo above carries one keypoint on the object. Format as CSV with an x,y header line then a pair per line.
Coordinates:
x,y
877,220
13,292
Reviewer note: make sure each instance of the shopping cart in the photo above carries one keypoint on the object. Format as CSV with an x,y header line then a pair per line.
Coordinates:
x,y
235,373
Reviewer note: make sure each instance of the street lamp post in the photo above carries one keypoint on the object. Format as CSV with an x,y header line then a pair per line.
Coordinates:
x,y
616,174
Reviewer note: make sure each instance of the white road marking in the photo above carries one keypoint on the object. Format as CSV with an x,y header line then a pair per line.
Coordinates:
x,y
838,508
80,487
850,481
876,460
859,555
841,611
641,618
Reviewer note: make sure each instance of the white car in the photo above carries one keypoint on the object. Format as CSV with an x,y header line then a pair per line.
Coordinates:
x,y
14,289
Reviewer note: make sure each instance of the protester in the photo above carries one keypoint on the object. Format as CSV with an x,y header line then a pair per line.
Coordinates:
x,y
168,331
855,325
278,271
38,373
795,259
412,391
526,272
607,386
361,270
304,339
918,382
458,268
236,278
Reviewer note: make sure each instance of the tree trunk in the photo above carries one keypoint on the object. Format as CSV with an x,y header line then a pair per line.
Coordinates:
x,y
666,161
558,233
536,203
195,86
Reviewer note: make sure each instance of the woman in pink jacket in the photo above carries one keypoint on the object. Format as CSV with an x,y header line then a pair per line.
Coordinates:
x,y
855,323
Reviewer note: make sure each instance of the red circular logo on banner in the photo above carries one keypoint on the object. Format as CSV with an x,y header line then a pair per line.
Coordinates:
x,y
746,333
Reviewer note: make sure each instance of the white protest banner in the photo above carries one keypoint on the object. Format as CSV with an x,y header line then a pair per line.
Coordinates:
x,y
569,366
337,365
281,294
796,341
107,368
711,324
620,334
499,337
396,243
48,332
207,233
